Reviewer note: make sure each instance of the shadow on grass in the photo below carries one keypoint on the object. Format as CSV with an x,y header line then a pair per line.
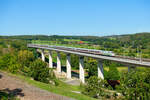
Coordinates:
x,y
7,94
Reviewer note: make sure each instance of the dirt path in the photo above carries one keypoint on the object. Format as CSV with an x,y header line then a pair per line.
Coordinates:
x,y
24,91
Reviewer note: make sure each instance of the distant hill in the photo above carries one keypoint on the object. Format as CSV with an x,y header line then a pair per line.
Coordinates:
x,y
132,40
138,39
46,37
130,43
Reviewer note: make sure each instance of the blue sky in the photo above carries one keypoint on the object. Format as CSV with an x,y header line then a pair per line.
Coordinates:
x,y
74,17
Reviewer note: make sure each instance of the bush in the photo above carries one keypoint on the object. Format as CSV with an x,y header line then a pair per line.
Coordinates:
x,y
16,63
136,85
14,68
5,61
94,87
40,72
92,71
74,61
25,57
9,62
91,66
113,73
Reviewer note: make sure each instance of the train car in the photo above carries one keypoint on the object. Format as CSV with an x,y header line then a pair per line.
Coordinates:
x,y
82,50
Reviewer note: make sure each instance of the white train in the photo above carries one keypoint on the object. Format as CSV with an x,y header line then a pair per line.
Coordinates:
x,y
91,51
83,50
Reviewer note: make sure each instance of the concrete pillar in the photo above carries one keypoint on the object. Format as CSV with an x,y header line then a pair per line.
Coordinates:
x,y
100,69
131,68
68,65
81,67
42,54
58,63
50,60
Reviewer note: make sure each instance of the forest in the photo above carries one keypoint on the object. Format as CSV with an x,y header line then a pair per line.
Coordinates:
x,y
16,58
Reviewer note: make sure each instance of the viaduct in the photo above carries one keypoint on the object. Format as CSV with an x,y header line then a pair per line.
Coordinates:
x,y
129,62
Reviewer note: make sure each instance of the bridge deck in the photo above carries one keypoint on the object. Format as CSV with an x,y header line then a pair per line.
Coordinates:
x,y
102,57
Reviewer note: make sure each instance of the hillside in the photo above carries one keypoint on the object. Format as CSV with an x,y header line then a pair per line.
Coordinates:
x,y
130,44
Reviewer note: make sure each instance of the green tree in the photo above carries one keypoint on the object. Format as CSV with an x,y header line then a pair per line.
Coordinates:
x,y
25,57
91,66
5,61
75,61
14,66
113,73
94,87
40,72
135,85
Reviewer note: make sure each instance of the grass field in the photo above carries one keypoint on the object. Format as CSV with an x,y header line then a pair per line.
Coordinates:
x,y
120,69
57,43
